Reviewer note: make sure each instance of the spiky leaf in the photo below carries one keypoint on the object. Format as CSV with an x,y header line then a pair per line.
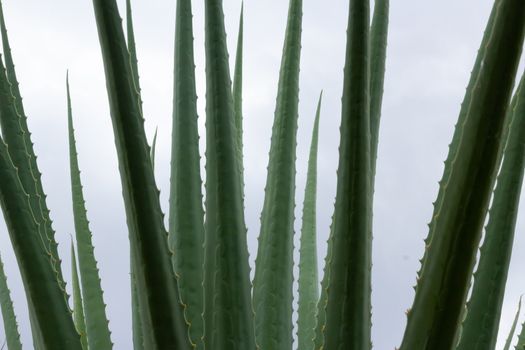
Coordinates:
x,y
459,218
272,293
95,310
228,310
308,279
161,312
8,313
348,319
78,308
186,213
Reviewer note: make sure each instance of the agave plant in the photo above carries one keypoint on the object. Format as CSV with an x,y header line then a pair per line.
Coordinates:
x,y
190,284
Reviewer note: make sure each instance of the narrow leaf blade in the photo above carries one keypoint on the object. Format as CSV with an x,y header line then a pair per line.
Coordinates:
x,y
97,324
228,311
308,279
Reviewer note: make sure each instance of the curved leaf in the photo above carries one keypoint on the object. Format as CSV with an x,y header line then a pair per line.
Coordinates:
x,y
460,214
161,311
481,324
16,134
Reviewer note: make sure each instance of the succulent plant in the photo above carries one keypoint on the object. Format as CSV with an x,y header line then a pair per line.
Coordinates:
x,y
190,284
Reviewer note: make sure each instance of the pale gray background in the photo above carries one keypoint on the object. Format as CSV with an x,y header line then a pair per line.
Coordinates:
x,y
432,47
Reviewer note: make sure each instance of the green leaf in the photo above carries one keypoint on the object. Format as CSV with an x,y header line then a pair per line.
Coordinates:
x,y
30,244
308,279
458,219
508,342
272,286
138,338
228,311
95,310
348,318
42,290
16,134
481,324
8,313
378,45
186,220
237,94
132,51
323,299
161,311
78,308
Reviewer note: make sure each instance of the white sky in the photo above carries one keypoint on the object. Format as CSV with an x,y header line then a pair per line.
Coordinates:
x,y
432,47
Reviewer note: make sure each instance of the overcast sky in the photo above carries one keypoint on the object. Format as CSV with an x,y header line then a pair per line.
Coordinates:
x,y
432,47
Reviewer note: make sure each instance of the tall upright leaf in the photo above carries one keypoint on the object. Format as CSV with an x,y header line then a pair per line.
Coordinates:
x,y
378,44
272,293
228,311
78,307
138,335
237,92
348,319
481,325
95,310
308,279
161,311
459,217
8,314
186,213
15,131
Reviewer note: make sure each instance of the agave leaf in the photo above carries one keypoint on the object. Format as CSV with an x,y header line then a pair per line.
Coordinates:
x,y
138,338
459,219
378,45
32,234
132,50
161,311
481,324
42,290
272,294
186,213
508,342
320,319
228,312
8,313
308,279
78,308
17,135
237,93
97,326
348,319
